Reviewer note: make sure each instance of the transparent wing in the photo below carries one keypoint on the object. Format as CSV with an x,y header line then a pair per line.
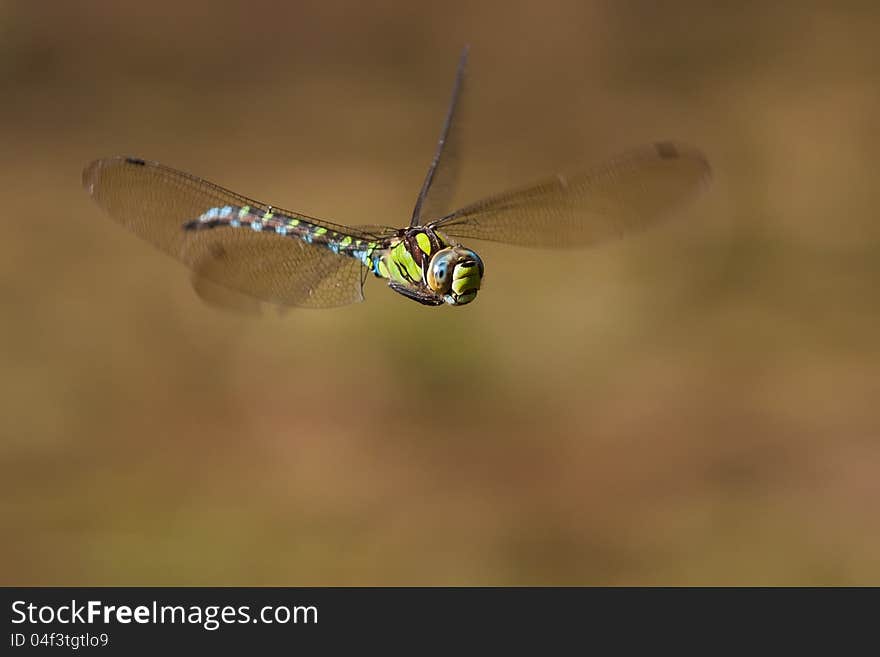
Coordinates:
x,y
623,195
155,201
225,298
439,185
286,272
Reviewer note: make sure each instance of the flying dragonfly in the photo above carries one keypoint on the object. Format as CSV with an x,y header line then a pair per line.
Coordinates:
x,y
290,259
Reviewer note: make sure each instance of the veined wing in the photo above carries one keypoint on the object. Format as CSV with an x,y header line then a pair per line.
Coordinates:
x,y
323,280
625,194
157,202
439,185
281,271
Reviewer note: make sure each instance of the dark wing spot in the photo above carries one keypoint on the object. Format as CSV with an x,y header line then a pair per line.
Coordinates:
x,y
135,160
667,150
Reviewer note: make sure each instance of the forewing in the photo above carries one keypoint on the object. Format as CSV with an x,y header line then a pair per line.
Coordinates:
x,y
623,195
442,176
155,202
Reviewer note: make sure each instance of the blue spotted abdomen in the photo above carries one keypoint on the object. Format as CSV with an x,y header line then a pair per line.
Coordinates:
x,y
258,220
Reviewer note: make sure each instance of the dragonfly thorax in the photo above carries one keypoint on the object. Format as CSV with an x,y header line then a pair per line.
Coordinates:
x,y
423,265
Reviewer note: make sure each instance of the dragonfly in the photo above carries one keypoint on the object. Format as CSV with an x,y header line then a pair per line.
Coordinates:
x,y
263,253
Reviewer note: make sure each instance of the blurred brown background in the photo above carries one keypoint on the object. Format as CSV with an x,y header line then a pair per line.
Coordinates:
x,y
697,404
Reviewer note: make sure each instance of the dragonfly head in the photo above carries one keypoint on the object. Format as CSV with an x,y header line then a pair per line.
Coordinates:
x,y
455,272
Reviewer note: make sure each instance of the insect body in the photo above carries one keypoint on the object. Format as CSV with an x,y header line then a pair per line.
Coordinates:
x,y
290,259
417,262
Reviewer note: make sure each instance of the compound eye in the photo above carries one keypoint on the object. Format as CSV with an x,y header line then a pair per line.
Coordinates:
x,y
440,271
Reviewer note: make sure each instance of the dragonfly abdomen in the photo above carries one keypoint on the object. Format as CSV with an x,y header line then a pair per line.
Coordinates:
x,y
248,218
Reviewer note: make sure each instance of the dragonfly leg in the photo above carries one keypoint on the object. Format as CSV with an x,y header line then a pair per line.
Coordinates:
x,y
422,296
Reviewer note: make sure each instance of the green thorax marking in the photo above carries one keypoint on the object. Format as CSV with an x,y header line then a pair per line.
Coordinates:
x,y
406,260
